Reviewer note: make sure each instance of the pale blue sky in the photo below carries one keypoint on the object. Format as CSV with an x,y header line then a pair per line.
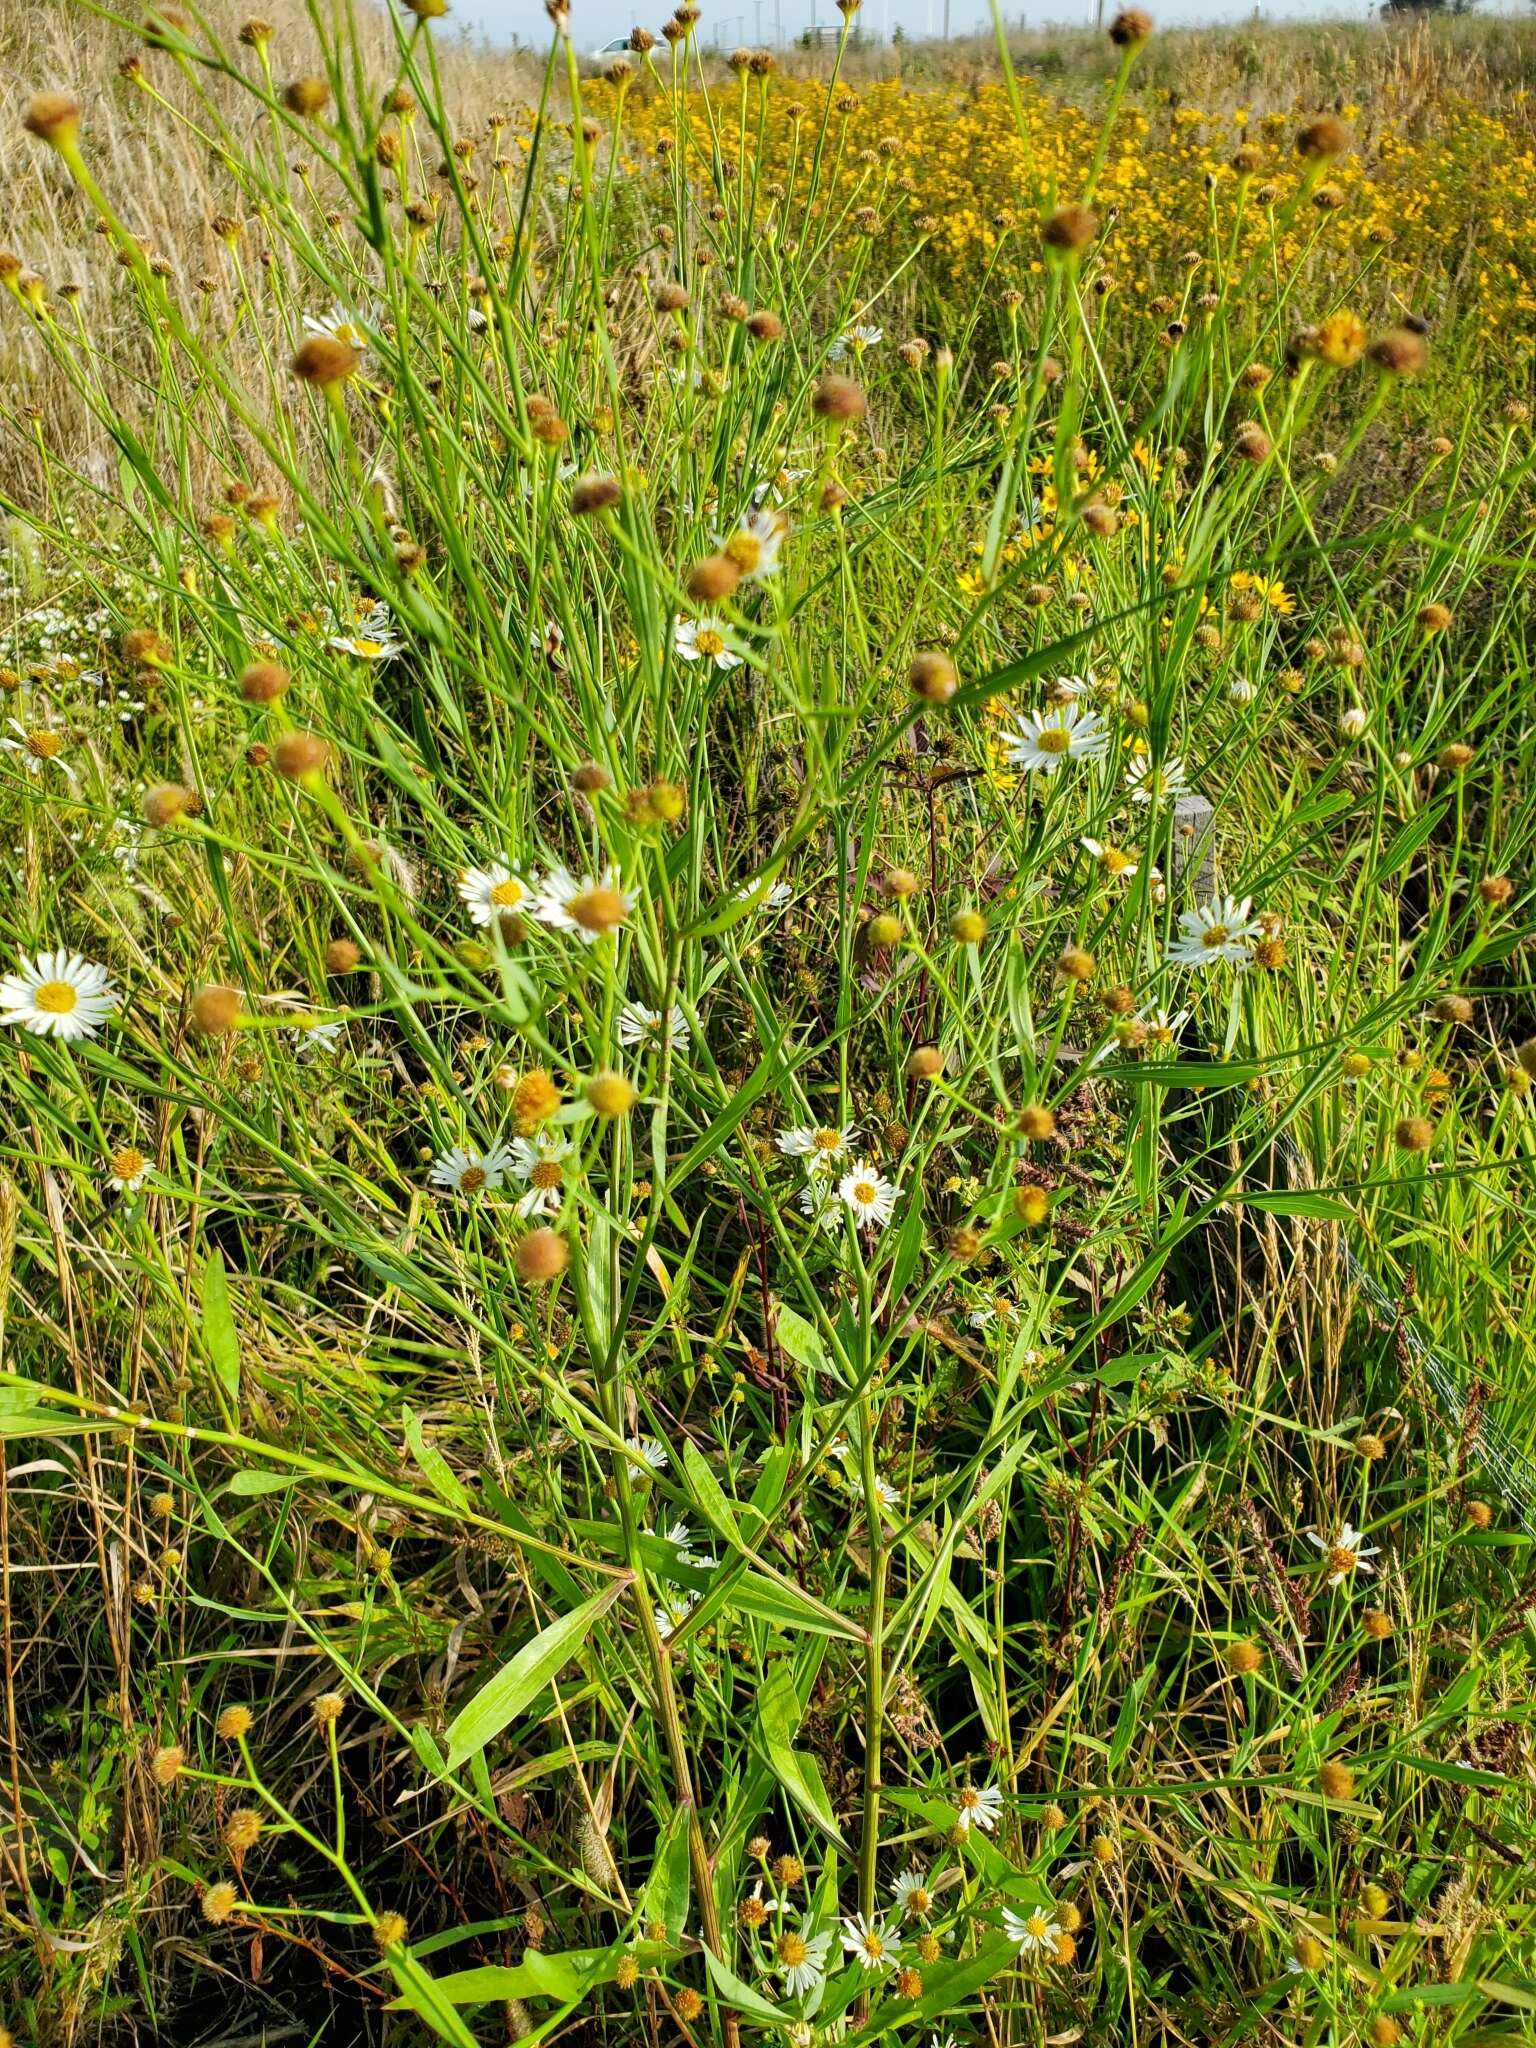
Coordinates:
x,y
728,22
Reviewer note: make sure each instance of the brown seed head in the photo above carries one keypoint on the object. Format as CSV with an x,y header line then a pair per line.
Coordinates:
x,y
1324,138
1414,1133
541,1256
1130,28
1070,228
263,682
1377,1624
1401,352
591,778
1479,1514
1435,618
925,1063
300,754
324,361
838,398
165,802
54,118
214,1013
591,494
712,579
764,325
342,956
1336,1780
933,677
233,1723
307,97
1244,1658
1456,758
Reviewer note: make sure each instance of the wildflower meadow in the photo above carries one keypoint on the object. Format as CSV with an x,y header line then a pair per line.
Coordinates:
x,y
766,1035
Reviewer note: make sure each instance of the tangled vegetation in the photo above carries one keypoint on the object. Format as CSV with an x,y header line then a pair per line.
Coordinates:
x,y
767,1052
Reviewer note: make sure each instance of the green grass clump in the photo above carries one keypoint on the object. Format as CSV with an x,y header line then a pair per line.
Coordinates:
x,y
766,1113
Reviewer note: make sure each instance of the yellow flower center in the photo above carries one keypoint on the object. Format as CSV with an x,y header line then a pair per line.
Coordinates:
x,y
970,1799
1037,1926
506,893
1054,739
1114,861
745,550
1214,935
1341,1558
44,746
473,1177
58,998
128,1164
709,642
874,1947
368,649
829,1141
791,1950
547,1174
864,1191
918,1900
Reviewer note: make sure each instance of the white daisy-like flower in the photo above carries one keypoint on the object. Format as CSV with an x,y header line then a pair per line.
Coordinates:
x,y
867,1939
985,1312
821,1204
773,897
1222,929
1042,740
800,1959
858,338
868,1193
466,1171
1346,1553
340,324
58,995
540,1163
1114,860
37,749
1241,691
978,1806
1065,688
754,546
1151,783
819,1148
127,1168
1162,1030
317,1036
677,1603
913,1894
704,640
886,1496
1036,1933
768,1905
639,1025
375,638
490,892
586,905
647,1451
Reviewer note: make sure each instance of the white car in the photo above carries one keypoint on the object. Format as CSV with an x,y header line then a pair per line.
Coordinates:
x,y
599,60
